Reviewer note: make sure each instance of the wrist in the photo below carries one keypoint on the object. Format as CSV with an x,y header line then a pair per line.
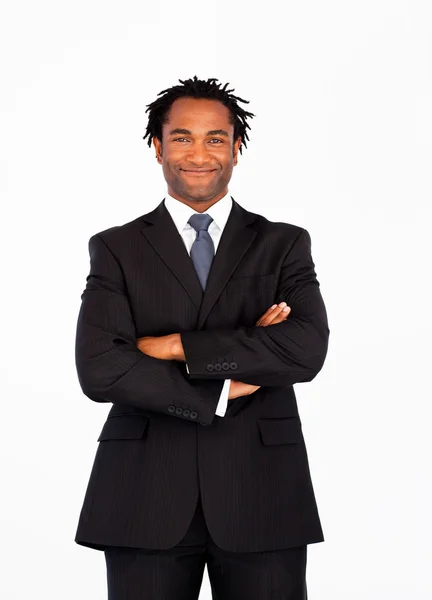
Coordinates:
x,y
177,351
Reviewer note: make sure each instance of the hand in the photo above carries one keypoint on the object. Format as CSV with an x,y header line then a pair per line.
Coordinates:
x,y
165,347
238,388
275,314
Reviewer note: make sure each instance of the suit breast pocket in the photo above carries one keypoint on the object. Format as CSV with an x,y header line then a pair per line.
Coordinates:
x,y
246,298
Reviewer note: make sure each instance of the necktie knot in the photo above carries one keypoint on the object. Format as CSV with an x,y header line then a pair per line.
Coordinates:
x,y
200,221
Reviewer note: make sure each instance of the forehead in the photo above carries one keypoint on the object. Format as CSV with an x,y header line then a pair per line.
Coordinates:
x,y
198,114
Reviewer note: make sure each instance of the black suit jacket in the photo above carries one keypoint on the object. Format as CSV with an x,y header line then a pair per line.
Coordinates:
x,y
162,442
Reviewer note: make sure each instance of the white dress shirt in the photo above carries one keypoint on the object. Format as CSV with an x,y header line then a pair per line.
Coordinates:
x,y
180,214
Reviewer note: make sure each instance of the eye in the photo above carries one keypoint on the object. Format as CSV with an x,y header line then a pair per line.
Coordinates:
x,y
212,140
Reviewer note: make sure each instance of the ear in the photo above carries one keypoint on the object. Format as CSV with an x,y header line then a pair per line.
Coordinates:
x,y
236,147
158,149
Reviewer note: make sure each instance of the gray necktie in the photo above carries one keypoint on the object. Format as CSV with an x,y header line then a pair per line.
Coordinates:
x,y
202,251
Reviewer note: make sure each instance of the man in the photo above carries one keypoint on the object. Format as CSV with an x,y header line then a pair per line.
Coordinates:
x,y
197,319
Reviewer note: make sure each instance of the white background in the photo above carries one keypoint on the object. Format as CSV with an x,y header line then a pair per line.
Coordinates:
x,y
340,145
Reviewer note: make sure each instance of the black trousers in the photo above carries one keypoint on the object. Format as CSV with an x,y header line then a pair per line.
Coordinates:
x,y
176,573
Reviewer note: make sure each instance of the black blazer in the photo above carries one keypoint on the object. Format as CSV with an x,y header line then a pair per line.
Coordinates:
x,y
162,442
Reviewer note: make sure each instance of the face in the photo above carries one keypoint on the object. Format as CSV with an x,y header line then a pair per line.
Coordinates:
x,y
197,152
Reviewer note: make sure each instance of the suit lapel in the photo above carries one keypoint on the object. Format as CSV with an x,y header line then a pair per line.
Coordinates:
x,y
236,239
163,235
234,243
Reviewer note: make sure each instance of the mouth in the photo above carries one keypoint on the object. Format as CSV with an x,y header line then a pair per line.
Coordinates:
x,y
197,172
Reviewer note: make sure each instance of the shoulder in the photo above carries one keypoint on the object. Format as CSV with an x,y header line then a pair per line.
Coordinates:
x,y
116,234
287,231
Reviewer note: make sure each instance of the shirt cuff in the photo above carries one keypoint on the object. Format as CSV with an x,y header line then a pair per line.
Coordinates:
x,y
223,400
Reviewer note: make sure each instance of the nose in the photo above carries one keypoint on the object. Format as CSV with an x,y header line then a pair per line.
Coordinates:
x,y
198,156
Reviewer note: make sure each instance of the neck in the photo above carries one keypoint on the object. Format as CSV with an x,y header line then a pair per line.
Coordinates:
x,y
199,206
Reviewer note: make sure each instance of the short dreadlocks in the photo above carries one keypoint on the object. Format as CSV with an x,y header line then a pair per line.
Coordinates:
x,y
197,88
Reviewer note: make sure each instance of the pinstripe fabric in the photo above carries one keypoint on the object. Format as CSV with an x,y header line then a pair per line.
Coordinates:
x,y
177,573
180,214
162,442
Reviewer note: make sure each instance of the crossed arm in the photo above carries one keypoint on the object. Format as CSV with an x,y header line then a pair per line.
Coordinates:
x,y
170,347
112,368
287,352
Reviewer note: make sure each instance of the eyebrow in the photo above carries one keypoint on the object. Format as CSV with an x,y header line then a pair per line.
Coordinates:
x,y
211,132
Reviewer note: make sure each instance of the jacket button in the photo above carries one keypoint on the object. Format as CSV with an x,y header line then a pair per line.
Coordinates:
x,y
171,408
225,366
218,367
186,412
193,415
179,410
233,366
210,367
203,424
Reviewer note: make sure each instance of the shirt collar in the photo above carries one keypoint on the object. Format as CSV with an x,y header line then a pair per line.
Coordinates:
x,y
181,213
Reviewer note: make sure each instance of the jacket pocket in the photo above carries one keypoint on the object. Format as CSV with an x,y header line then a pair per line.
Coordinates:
x,y
280,430
124,427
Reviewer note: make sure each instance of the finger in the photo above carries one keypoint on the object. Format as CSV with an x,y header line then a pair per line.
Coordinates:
x,y
271,314
278,313
281,316
268,317
268,312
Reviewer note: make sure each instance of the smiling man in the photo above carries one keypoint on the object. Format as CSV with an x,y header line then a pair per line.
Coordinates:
x,y
196,321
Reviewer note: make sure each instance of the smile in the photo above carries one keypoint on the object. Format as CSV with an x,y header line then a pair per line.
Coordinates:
x,y
198,173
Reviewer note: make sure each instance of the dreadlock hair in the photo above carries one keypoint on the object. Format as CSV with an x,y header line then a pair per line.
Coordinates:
x,y
197,88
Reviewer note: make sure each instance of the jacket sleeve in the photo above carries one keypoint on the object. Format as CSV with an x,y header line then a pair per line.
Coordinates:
x,y
110,366
277,355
